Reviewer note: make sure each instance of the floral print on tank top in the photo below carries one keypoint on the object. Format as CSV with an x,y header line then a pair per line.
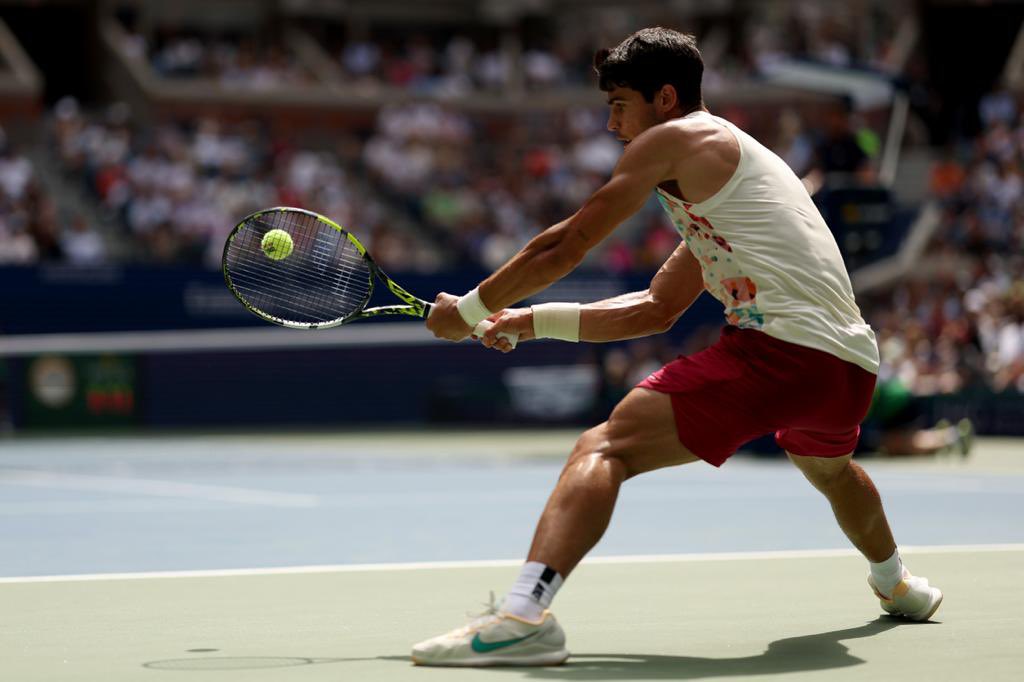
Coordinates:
x,y
723,276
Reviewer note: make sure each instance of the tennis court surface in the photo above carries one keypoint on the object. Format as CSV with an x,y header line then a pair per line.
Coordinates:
x,y
231,558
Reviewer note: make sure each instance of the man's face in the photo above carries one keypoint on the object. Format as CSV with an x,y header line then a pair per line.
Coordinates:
x,y
629,114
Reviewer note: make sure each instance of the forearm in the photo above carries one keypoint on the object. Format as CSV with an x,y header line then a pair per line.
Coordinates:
x,y
674,288
629,316
640,313
543,261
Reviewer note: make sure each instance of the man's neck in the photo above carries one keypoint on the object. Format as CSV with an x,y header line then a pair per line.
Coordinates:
x,y
695,108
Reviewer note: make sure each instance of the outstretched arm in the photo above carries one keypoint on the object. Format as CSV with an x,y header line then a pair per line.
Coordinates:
x,y
554,253
640,313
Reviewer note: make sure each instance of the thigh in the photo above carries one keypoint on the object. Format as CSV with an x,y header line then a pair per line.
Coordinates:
x,y
719,401
641,432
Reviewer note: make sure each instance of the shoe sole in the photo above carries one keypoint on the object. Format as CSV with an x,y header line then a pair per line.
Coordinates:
x,y
551,658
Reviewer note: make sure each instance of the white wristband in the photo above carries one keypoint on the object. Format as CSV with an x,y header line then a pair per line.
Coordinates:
x,y
557,321
472,308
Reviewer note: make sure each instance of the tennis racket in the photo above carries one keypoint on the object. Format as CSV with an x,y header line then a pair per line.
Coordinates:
x,y
325,281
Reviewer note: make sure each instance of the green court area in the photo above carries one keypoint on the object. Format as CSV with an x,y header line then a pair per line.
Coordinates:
x,y
794,615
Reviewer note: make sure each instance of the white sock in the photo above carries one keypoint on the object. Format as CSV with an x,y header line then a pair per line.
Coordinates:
x,y
532,592
887,574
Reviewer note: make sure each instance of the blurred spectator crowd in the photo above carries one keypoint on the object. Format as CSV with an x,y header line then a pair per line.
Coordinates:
x,y
484,189
177,190
30,228
958,320
234,60
528,53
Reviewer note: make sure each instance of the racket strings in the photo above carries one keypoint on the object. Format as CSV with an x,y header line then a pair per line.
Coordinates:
x,y
324,279
313,285
345,267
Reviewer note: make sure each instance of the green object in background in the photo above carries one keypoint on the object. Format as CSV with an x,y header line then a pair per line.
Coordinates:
x,y
889,399
79,391
869,142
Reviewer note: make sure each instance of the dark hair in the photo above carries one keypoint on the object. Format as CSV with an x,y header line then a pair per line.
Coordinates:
x,y
651,58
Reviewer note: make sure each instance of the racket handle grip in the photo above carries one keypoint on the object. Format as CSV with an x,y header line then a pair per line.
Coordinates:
x,y
481,328
484,325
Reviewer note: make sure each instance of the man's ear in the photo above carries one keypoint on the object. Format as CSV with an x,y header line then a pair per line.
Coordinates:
x,y
667,98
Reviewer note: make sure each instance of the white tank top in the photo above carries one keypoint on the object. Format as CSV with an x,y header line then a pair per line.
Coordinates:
x,y
769,258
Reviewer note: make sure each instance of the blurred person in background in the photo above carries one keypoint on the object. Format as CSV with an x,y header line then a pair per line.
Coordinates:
x,y
793,144
26,212
624,366
843,152
894,426
82,245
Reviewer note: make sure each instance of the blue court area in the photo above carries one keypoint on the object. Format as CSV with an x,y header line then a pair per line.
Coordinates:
x,y
325,557
178,503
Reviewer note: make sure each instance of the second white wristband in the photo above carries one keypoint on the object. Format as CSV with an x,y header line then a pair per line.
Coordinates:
x,y
557,321
472,308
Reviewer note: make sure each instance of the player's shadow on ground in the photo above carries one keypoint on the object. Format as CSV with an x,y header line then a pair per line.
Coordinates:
x,y
822,651
791,655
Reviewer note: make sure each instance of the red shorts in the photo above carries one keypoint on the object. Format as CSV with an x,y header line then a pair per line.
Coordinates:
x,y
749,384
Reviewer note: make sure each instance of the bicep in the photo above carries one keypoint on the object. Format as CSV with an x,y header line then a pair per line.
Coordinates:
x,y
638,173
679,281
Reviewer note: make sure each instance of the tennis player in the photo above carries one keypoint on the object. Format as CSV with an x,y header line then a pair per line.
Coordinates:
x,y
796,358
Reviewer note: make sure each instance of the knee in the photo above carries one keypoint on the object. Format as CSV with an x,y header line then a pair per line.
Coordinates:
x,y
595,449
826,474
593,442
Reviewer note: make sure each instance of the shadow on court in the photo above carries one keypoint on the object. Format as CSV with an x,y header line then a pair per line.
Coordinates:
x,y
791,655
246,662
822,651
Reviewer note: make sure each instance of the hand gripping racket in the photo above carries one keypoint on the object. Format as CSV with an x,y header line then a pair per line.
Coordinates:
x,y
326,279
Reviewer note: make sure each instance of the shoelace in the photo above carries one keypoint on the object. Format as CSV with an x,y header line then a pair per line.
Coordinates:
x,y
479,620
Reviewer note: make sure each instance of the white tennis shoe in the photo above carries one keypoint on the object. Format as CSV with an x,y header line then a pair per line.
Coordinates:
x,y
496,638
912,597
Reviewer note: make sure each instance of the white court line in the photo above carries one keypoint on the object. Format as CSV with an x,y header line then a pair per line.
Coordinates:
x,y
156,488
504,563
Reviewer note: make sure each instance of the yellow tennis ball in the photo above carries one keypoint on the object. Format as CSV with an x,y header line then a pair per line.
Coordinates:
x,y
277,244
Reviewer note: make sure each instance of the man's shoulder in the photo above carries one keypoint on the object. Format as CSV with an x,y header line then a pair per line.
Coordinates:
x,y
676,137
694,132
684,128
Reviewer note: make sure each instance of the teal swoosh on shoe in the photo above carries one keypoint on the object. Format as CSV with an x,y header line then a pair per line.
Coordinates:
x,y
482,647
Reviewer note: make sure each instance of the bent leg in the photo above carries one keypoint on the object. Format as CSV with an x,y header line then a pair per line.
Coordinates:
x,y
640,435
855,502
